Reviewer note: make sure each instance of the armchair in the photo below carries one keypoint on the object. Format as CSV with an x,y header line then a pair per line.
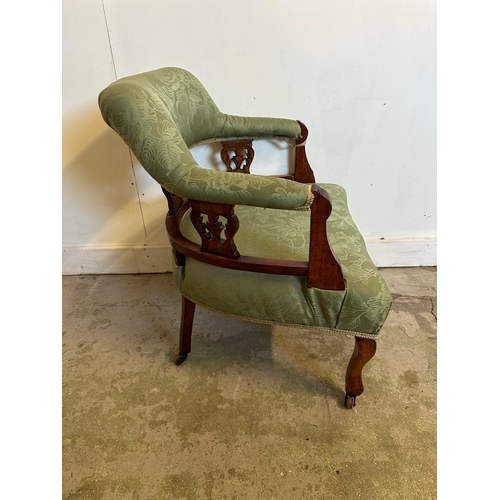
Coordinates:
x,y
271,249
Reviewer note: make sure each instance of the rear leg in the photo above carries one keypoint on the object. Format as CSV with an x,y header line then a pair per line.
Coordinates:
x,y
188,308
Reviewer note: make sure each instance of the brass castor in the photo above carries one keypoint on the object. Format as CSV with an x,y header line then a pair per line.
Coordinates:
x,y
180,359
349,402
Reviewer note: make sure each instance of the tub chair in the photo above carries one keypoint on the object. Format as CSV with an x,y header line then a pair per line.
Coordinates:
x,y
279,250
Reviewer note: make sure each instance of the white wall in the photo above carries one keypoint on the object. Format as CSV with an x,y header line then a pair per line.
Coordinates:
x,y
360,74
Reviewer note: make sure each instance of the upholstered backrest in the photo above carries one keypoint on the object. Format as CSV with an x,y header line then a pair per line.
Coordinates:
x,y
191,108
162,113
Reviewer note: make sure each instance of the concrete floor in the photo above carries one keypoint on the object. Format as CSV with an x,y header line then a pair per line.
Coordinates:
x,y
256,412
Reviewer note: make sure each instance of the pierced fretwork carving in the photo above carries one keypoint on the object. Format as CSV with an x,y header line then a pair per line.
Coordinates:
x,y
239,152
217,224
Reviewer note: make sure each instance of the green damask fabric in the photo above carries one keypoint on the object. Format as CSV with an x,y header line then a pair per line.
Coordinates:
x,y
161,114
284,234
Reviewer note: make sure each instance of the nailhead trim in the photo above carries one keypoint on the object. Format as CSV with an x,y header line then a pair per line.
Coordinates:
x,y
308,203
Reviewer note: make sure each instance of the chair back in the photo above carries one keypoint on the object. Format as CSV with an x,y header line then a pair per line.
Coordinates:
x,y
160,115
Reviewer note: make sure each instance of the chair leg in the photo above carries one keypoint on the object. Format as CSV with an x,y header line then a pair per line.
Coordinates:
x,y
364,350
188,308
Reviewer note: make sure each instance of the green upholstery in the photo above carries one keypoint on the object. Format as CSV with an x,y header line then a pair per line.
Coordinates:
x,y
162,113
284,234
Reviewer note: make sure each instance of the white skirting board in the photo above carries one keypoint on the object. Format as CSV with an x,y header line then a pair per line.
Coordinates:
x,y
116,260
409,252
403,252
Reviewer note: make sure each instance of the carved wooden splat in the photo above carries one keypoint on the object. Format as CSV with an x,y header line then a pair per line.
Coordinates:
x,y
216,223
242,155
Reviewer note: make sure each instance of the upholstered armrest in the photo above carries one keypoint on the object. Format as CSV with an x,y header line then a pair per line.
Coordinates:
x,y
243,189
148,129
253,127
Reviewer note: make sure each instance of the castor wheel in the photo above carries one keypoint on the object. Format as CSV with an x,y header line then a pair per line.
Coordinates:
x,y
349,402
180,359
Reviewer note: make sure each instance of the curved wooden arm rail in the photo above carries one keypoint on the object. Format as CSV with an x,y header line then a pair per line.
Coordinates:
x,y
323,269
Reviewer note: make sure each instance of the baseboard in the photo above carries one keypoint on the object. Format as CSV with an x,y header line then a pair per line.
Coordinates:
x,y
403,252
116,260
411,252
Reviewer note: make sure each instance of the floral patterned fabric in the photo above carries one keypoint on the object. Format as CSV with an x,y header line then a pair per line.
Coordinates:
x,y
284,234
160,114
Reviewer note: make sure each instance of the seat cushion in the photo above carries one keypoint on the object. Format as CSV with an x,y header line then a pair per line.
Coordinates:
x,y
284,234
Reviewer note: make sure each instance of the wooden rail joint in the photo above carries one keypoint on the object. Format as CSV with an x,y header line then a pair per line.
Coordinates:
x,y
303,171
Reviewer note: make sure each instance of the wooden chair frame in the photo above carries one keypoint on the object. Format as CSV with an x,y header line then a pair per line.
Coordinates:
x,y
322,269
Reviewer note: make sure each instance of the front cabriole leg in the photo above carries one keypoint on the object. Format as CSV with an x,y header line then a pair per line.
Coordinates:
x,y
364,350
